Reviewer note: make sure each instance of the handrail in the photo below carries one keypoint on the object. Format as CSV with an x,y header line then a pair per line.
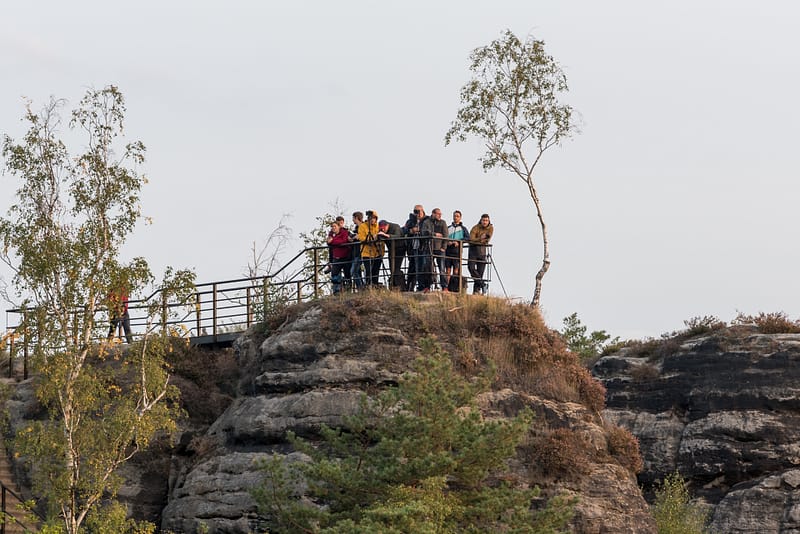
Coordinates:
x,y
4,515
232,305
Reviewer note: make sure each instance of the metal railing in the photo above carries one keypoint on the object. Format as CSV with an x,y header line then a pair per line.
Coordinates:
x,y
8,518
217,310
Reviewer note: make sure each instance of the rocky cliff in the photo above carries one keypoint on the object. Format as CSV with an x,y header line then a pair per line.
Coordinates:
x,y
310,365
313,368
722,409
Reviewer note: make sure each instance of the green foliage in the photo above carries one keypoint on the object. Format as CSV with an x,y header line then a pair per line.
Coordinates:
x,y
414,459
674,512
62,238
586,346
512,106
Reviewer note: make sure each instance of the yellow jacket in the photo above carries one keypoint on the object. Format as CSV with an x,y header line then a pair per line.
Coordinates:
x,y
370,246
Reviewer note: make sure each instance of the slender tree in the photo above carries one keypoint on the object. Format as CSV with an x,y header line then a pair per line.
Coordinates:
x,y
62,239
512,105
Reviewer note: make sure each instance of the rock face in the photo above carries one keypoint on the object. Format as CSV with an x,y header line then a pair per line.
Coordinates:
x,y
722,409
301,376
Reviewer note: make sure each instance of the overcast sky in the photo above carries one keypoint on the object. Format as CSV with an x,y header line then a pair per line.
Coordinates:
x,y
678,199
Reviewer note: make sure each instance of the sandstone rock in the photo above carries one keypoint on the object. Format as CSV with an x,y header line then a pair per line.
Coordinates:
x,y
721,409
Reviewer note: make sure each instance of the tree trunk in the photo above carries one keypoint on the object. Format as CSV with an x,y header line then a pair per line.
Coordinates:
x,y
537,292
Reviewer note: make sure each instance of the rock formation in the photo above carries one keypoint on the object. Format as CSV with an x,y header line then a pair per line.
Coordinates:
x,y
311,364
302,375
722,409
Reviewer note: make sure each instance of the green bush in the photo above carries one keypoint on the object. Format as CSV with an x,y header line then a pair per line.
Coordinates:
x,y
674,512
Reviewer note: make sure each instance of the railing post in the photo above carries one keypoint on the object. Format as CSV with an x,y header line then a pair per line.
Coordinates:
x,y
249,308
265,299
163,313
299,289
460,266
11,355
214,312
25,331
316,272
3,506
197,310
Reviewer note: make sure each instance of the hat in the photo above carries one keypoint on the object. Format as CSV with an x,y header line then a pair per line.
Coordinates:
x,y
374,213
383,223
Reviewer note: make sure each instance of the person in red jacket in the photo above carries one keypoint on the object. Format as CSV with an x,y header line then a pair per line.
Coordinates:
x,y
341,255
118,313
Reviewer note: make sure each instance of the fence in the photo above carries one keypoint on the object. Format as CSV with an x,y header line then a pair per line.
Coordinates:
x,y
218,311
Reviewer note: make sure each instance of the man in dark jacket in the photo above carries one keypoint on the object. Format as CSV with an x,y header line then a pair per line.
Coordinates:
x,y
438,231
393,234
421,245
411,233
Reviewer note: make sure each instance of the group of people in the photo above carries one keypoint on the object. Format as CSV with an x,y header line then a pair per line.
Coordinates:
x,y
426,240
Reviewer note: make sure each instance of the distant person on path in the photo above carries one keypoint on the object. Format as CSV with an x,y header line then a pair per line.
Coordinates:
x,y
457,234
338,239
371,248
118,313
479,237
392,235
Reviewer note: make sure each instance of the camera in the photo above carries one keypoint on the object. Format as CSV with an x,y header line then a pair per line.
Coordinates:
x,y
416,212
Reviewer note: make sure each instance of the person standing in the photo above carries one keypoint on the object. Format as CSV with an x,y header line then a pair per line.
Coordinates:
x,y
118,313
411,233
392,234
457,234
438,243
355,268
338,239
371,248
423,252
479,237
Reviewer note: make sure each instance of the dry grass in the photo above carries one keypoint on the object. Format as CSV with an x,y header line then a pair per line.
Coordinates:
x,y
478,332
769,323
561,453
624,447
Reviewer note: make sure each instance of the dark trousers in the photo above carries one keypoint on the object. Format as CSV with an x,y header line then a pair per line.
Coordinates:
x,y
126,326
396,254
477,266
424,268
372,270
340,271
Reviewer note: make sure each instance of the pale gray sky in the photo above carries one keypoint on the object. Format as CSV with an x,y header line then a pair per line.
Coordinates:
x,y
677,200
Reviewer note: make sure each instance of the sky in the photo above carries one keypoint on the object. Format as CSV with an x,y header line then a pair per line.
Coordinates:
x,y
677,199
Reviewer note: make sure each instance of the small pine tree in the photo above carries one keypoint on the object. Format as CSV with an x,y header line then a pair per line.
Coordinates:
x,y
415,459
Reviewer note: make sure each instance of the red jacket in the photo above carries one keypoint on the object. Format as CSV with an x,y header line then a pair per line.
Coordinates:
x,y
339,245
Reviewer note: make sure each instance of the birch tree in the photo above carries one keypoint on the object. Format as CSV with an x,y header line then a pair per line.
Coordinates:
x,y
512,105
62,239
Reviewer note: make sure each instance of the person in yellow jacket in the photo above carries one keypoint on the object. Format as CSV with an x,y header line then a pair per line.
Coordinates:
x,y
371,248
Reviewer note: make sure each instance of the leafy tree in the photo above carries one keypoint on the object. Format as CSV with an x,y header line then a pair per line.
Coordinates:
x,y
585,346
316,238
673,510
272,293
62,239
415,459
512,105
